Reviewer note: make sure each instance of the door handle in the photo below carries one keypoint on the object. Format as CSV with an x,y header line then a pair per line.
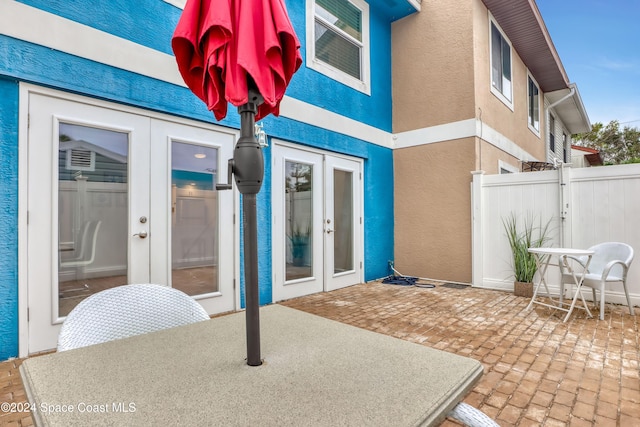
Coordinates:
x,y
329,230
142,234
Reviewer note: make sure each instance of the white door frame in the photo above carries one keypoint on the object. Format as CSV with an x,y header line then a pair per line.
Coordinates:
x,y
315,282
25,89
161,253
359,245
333,280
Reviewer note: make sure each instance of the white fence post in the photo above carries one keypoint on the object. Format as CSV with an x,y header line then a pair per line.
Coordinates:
x,y
477,274
564,174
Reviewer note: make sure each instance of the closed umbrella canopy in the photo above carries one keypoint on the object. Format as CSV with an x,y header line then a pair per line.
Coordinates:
x,y
221,45
228,51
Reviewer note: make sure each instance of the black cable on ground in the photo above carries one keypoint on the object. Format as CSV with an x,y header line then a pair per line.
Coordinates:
x,y
406,281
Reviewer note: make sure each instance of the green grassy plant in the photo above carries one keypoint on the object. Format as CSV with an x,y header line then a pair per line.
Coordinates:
x,y
531,236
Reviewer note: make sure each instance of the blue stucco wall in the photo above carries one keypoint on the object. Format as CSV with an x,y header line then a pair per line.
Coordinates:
x,y
378,212
265,270
146,22
37,64
139,21
8,218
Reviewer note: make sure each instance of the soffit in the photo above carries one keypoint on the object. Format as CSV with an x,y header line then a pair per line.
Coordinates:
x,y
523,24
571,111
396,9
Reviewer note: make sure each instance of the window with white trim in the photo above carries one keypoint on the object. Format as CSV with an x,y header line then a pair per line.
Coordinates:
x,y
338,41
500,65
534,105
552,134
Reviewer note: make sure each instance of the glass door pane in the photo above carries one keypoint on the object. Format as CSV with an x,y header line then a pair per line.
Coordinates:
x,y
92,212
194,218
343,221
299,220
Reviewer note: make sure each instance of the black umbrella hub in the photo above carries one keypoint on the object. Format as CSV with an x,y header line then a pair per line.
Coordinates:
x,y
248,161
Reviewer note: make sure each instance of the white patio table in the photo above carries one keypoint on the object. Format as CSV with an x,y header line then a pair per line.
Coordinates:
x,y
543,257
316,372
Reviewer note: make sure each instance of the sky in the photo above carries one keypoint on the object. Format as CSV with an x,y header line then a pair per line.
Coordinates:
x,y
599,45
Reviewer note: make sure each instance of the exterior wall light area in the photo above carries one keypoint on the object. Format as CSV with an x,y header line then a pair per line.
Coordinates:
x,y
261,136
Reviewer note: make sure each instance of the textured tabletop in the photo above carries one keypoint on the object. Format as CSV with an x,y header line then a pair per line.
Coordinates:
x,y
317,372
561,251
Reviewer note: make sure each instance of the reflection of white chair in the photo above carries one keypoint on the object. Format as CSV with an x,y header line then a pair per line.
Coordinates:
x,y
609,264
125,311
86,253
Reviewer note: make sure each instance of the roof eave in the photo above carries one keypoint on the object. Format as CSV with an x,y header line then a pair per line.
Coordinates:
x,y
398,9
594,159
523,24
571,111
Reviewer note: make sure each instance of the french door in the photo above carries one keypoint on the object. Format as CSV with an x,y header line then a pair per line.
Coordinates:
x,y
118,197
317,228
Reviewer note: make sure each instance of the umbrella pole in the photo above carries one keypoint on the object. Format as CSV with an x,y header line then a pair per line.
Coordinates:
x,y
252,302
248,167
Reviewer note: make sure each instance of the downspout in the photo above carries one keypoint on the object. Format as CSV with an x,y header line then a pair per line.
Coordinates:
x,y
564,209
572,91
561,183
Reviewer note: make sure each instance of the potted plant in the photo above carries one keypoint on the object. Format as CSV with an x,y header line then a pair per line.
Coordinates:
x,y
524,263
300,245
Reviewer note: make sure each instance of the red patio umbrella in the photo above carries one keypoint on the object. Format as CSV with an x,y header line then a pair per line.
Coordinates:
x,y
244,52
220,45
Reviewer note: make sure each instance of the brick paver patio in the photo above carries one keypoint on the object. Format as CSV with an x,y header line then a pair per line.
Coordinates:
x,y
538,370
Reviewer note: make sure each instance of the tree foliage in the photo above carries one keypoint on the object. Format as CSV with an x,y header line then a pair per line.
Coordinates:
x,y
298,178
616,145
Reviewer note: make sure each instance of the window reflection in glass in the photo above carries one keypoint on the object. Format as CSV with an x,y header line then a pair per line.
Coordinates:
x,y
194,218
92,212
299,220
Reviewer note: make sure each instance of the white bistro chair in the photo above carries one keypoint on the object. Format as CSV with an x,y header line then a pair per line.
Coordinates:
x,y
609,264
125,311
86,253
470,416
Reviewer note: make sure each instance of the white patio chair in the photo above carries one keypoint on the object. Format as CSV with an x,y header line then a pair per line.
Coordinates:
x,y
609,264
470,416
125,311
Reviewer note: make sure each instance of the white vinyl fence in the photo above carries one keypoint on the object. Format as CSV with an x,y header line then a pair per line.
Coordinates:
x,y
585,206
